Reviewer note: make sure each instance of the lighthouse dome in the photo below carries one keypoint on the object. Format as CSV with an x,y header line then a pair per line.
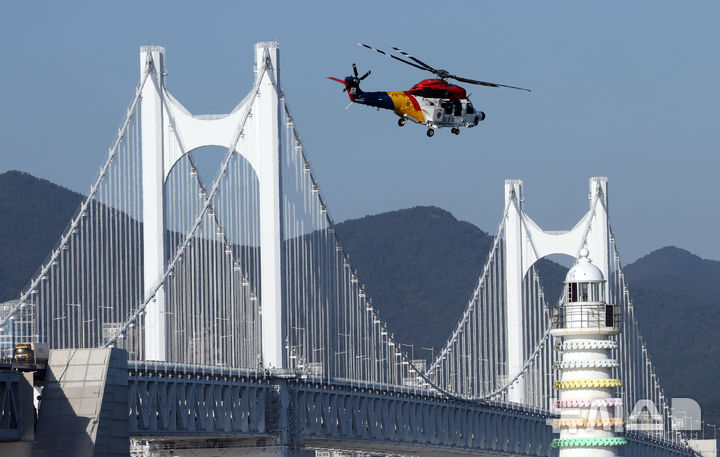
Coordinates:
x,y
584,270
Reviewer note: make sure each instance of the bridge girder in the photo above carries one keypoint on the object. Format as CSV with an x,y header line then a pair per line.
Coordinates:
x,y
298,414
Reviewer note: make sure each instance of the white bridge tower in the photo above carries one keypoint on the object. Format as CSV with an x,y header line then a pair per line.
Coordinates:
x,y
170,131
525,243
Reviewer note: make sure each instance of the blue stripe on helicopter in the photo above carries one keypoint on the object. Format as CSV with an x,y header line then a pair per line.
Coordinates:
x,y
377,99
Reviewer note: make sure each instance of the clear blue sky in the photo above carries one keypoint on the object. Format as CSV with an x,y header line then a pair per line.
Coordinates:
x,y
627,90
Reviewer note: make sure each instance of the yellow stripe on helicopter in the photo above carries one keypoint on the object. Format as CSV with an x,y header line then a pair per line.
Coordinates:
x,y
406,105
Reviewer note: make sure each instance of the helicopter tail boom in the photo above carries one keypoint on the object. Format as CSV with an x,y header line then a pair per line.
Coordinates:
x,y
401,102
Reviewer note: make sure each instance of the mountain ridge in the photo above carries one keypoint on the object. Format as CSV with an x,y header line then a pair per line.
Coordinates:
x,y
34,212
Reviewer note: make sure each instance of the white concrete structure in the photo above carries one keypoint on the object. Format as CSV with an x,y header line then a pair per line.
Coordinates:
x,y
525,243
152,59
587,400
706,448
170,131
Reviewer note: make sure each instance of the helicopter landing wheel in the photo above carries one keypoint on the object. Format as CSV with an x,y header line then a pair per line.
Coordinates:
x,y
455,130
430,132
401,121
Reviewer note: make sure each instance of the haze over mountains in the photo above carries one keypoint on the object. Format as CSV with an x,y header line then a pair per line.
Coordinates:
x,y
420,266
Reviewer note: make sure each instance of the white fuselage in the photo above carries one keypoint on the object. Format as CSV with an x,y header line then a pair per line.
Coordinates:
x,y
439,112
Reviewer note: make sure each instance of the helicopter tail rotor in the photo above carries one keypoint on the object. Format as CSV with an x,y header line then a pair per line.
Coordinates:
x,y
355,70
352,83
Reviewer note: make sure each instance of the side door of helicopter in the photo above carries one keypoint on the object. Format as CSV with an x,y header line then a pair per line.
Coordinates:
x,y
433,112
443,112
447,112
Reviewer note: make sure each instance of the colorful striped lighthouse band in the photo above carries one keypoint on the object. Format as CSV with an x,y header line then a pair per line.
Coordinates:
x,y
598,402
586,383
604,363
589,442
597,422
588,344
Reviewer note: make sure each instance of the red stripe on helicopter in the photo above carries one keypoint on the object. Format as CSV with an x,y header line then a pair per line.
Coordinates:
x,y
412,98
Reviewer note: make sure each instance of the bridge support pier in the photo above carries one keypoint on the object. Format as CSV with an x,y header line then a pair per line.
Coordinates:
x,y
17,427
84,406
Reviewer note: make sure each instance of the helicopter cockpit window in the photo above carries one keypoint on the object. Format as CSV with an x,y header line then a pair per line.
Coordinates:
x,y
470,109
458,108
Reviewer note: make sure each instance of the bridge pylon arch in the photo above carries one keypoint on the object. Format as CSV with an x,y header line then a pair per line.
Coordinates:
x,y
169,131
525,243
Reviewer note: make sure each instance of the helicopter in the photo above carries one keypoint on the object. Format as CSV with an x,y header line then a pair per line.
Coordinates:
x,y
434,102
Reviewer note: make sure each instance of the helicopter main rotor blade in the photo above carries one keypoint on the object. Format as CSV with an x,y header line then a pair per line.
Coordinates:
x,y
485,83
395,57
414,59
442,74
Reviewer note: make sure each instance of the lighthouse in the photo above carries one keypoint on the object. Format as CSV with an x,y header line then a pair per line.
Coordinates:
x,y
583,325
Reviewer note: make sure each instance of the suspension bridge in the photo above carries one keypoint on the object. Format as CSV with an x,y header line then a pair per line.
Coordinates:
x,y
229,317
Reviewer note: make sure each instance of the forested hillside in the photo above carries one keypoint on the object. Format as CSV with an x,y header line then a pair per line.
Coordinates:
x,y
33,214
677,300
420,266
